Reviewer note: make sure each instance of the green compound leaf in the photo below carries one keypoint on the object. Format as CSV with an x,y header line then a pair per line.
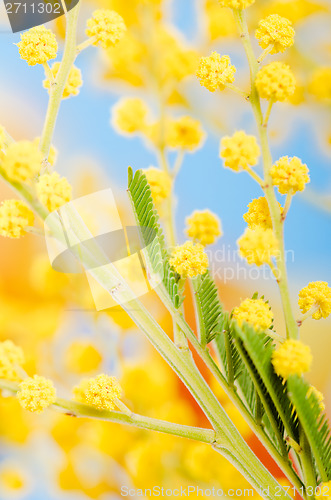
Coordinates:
x,y
210,309
155,250
314,423
256,351
228,354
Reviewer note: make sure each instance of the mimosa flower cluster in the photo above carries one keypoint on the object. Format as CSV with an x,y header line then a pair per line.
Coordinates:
x,y
255,312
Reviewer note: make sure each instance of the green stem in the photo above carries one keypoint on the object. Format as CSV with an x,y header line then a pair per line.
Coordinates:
x,y
81,410
291,326
268,113
56,91
287,205
307,465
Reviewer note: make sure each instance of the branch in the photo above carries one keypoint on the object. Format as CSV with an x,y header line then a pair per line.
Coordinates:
x,y
81,410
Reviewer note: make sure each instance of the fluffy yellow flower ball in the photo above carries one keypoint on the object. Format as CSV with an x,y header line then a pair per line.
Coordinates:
x,y
36,393
53,191
292,358
11,358
276,31
22,161
203,227
106,27
289,175
15,217
185,133
100,392
316,294
258,246
320,84
215,72
239,151
73,84
275,82
255,312
236,4
82,357
129,115
160,183
258,214
37,46
189,260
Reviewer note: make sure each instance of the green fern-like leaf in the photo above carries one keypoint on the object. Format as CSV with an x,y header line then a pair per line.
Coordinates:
x,y
210,308
155,252
228,353
313,422
256,351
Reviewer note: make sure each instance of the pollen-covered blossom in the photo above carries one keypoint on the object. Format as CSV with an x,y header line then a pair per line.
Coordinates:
x,y
276,31
185,133
203,227
22,161
129,115
38,45
236,4
100,392
239,151
160,183
189,260
11,358
106,27
52,155
15,217
320,84
318,395
258,246
36,393
316,295
292,358
73,83
53,191
290,175
255,312
215,71
258,214
275,82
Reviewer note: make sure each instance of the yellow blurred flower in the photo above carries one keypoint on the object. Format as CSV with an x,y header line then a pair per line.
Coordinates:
x,y
82,357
